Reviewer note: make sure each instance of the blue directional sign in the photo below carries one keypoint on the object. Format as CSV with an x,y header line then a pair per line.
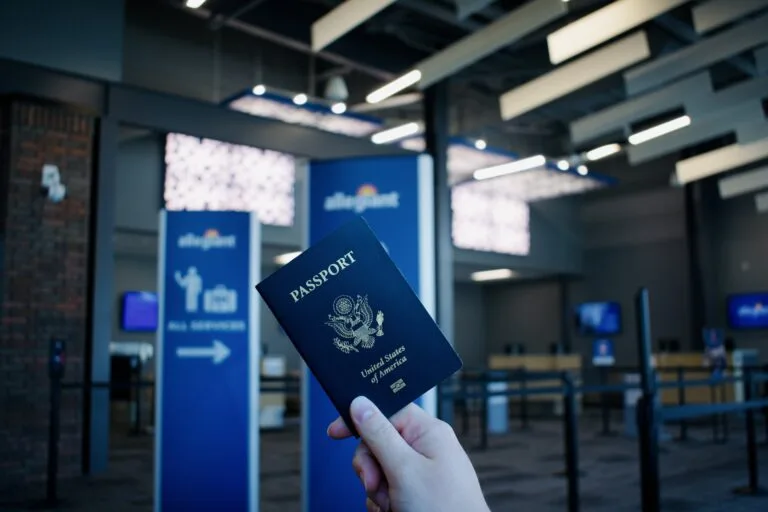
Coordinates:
x,y
206,452
602,353
395,196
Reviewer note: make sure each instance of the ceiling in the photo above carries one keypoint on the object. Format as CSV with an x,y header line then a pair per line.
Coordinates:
x,y
408,31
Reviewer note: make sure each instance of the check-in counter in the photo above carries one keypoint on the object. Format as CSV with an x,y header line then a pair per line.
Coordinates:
x,y
540,363
693,363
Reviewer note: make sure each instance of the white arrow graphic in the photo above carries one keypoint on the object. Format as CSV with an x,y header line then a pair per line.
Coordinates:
x,y
218,352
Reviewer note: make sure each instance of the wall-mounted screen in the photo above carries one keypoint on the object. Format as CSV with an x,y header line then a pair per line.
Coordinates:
x,y
598,318
139,312
748,311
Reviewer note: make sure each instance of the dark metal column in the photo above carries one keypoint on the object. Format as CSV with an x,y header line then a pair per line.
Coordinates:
x,y
436,136
97,367
566,317
700,216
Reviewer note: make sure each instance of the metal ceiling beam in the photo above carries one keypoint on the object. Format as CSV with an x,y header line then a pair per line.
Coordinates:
x,y
219,20
679,29
466,8
293,44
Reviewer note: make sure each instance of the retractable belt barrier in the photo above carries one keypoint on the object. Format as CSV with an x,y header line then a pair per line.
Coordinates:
x,y
282,385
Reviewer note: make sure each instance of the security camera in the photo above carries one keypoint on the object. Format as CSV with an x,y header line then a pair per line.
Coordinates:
x,y
51,185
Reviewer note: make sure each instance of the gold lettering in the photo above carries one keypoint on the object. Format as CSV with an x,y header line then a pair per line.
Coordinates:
x,y
322,276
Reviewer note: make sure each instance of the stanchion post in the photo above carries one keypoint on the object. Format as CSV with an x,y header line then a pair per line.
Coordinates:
x,y
465,402
571,441
681,401
484,414
715,417
55,374
751,435
523,399
605,411
647,425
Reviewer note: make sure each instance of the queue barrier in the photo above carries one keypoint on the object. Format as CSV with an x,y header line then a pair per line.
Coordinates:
x,y
567,388
286,385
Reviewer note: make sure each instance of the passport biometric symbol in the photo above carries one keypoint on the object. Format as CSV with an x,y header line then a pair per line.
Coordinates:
x,y
352,320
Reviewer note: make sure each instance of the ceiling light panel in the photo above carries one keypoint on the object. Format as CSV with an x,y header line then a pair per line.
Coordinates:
x,y
714,14
343,19
503,32
761,203
719,122
743,183
574,75
754,89
619,116
603,25
761,60
748,133
720,160
697,56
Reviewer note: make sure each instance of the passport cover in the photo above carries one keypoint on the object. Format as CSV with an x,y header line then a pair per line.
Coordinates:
x,y
357,324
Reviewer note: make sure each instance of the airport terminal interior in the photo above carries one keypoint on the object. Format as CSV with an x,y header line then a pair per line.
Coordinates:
x,y
576,191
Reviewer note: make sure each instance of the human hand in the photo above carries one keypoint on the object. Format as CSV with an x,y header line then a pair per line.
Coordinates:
x,y
411,463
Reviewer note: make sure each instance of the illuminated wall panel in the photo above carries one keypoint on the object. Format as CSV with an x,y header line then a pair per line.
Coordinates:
x,y
204,174
488,217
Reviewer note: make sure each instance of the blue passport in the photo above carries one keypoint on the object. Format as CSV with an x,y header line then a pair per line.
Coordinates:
x,y
357,324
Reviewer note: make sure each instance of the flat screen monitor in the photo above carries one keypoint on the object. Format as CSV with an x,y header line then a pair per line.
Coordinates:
x,y
748,311
139,312
598,318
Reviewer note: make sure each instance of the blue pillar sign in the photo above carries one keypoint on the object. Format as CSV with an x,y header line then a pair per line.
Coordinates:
x,y
207,439
395,196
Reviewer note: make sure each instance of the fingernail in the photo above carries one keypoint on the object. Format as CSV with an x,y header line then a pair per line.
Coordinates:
x,y
361,409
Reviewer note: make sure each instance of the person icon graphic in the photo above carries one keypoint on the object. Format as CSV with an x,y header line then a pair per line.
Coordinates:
x,y
193,285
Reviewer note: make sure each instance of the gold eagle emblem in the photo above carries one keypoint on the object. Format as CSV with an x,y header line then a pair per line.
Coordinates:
x,y
352,320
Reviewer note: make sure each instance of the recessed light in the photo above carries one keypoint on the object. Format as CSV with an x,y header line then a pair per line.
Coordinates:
x,y
480,144
492,275
258,90
339,108
300,99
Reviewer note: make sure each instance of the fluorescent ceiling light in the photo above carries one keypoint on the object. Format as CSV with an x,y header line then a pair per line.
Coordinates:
x,y
394,87
659,130
603,151
194,4
300,99
492,275
582,169
480,144
258,90
284,259
339,108
391,102
563,165
396,133
525,164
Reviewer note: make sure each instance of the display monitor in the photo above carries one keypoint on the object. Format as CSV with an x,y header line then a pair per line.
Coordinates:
x,y
748,311
598,318
139,312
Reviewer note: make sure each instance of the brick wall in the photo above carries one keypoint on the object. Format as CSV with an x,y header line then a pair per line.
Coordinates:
x,y
43,286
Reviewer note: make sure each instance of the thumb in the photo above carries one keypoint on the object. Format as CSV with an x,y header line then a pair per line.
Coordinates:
x,y
381,437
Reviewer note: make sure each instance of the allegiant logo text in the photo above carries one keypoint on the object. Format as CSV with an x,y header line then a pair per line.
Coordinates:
x,y
367,197
211,239
754,311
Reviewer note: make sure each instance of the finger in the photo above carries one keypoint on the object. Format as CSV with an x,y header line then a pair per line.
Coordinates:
x,y
412,422
381,437
381,496
367,468
371,506
338,429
